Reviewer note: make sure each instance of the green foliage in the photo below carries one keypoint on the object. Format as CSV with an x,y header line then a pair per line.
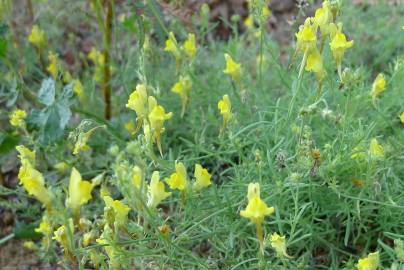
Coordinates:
x,y
335,201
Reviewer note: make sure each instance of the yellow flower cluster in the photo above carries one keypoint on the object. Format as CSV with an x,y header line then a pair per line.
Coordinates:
x,y
98,58
53,67
179,180
186,51
307,41
17,118
149,114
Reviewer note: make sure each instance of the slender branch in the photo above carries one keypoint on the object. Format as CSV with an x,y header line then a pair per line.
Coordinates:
x,y
107,66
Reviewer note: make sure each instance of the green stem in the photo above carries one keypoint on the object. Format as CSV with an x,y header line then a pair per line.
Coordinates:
x,y
260,236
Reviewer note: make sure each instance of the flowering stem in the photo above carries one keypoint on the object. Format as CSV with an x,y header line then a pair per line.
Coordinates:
x,y
260,236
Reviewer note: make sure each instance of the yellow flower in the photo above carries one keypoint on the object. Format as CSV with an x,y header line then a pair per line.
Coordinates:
x,y
232,68
183,87
323,17
53,67
29,245
371,262
98,58
358,152
138,101
378,86
202,178
61,166
249,22
33,182
88,237
45,227
62,234
278,243
82,139
26,154
157,191
130,127
37,37
178,179
189,46
172,46
375,149
137,177
79,91
253,191
120,209
339,45
157,117
306,36
315,64
256,209
79,191
265,11
401,116
17,118
224,105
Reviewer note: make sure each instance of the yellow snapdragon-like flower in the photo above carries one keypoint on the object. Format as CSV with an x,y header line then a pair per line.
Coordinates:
x,y
178,179
172,46
79,191
26,154
120,209
314,64
371,262
37,37
138,101
232,68
45,227
323,17
17,118
189,46
339,45
278,243
137,177
183,88
257,210
53,67
378,86
375,149
98,58
202,178
78,89
156,192
157,117
62,235
224,105
306,36
33,182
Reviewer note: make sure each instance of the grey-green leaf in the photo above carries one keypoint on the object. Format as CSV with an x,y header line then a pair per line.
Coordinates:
x,y
46,93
